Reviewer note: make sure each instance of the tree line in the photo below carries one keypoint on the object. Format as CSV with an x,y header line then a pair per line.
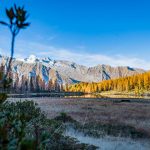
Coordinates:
x,y
139,83
28,84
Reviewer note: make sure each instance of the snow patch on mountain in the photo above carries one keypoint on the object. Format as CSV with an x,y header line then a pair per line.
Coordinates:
x,y
31,59
45,74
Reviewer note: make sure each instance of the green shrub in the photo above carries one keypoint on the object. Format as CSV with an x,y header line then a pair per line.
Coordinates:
x,y
23,126
3,97
63,117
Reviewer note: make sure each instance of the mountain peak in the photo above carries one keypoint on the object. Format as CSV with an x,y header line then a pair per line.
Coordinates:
x,y
31,59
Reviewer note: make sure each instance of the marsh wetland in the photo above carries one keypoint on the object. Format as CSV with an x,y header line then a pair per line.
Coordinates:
x,y
119,123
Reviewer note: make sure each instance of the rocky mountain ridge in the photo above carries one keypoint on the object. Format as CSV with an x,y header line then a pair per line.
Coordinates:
x,y
46,70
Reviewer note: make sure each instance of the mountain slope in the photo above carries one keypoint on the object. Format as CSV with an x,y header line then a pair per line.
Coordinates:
x,y
64,72
137,84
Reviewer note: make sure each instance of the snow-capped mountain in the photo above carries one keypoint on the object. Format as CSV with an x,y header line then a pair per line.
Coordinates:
x,y
31,59
46,70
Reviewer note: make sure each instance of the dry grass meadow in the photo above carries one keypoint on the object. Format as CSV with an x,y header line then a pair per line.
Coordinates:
x,y
134,113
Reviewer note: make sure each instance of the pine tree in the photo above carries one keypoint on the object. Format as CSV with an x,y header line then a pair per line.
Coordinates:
x,y
138,83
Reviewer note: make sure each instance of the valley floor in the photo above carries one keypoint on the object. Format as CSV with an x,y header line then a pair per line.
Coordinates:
x,y
121,113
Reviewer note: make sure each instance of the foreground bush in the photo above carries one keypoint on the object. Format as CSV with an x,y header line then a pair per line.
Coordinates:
x,y
24,127
3,97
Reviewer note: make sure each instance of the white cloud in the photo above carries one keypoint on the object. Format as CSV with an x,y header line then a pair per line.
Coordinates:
x,y
50,38
84,58
3,52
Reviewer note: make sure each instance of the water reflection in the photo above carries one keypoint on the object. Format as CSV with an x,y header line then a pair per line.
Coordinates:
x,y
76,95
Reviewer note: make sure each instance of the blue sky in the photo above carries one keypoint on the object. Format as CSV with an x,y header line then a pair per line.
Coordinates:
x,y
88,32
